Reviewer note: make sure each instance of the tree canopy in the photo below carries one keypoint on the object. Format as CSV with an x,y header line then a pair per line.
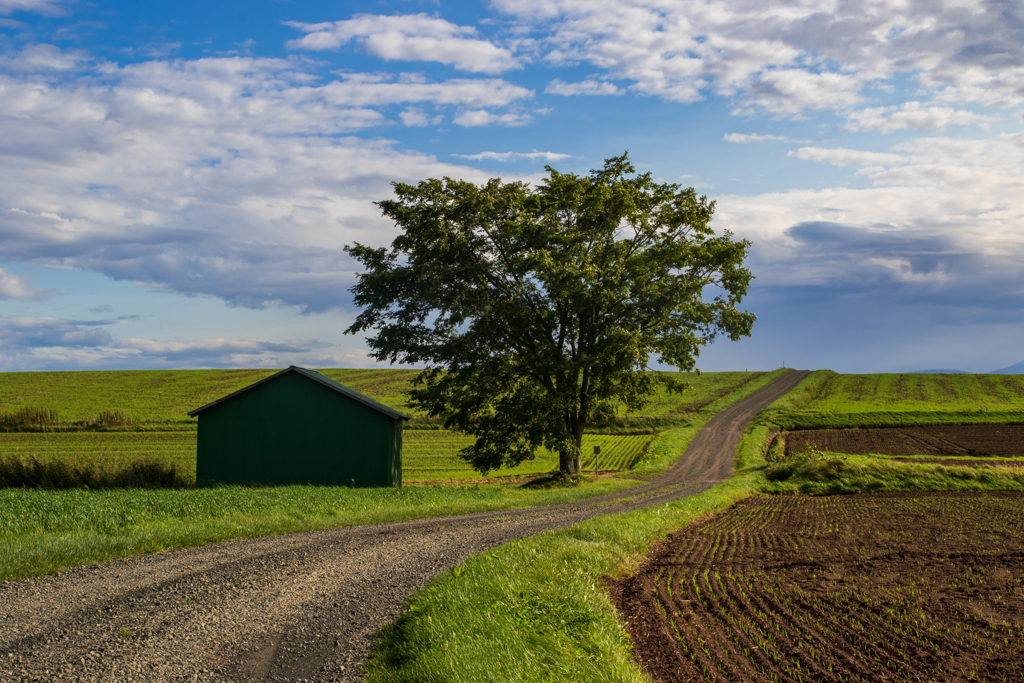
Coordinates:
x,y
536,309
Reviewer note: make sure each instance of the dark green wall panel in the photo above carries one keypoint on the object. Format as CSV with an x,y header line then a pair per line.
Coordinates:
x,y
294,430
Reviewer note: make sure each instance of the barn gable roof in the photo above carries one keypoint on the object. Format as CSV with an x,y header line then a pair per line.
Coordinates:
x,y
316,377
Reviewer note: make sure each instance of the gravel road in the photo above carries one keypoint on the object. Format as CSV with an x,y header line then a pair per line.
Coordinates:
x,y
300,607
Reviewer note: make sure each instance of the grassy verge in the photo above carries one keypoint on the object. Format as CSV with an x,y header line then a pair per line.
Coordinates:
x,y
44,531
534,609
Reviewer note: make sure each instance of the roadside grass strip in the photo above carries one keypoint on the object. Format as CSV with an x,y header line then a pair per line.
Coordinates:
x,y
534,609
44,531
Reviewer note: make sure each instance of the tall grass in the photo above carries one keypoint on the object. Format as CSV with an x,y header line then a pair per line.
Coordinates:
x,y
146,473
818,473
29,418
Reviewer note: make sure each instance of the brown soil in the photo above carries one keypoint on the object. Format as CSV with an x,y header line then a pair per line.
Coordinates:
x,y
874,587
963,440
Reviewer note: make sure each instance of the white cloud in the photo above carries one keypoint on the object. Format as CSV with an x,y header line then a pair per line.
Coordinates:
x,y
236,178
785,59
372,90
793,91
44,57
845,157
40,6
57,343
15,287
912,115
417,117
515,156
481,117
943,216
411,37
587,87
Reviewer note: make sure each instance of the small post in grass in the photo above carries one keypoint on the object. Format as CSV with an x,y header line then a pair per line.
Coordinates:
x,y
597,473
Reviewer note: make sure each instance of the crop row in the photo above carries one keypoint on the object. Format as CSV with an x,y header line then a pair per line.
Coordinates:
x,y
854,588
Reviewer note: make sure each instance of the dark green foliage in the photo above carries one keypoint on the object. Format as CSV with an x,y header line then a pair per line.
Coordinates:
x,y
144,473
536,310
29,419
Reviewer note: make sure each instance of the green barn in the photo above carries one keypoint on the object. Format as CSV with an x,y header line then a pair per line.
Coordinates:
x,y
299,427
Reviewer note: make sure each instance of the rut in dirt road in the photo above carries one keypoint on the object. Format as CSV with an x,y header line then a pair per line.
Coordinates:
x,y
297,607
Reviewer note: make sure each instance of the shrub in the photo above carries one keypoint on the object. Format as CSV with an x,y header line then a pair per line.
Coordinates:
x,y
29,419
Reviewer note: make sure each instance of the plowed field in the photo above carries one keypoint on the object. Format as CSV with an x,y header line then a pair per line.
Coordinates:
x,y
875,587
953,440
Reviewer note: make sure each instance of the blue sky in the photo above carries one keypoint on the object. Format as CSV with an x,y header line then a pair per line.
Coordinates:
x,y
178,180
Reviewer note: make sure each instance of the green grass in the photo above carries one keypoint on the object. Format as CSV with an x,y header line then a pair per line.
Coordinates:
x,y
157,400
161,398
834,473
44,531
534,609
827,400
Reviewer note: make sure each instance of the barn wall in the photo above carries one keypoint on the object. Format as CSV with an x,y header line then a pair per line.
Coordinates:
x,y
294,430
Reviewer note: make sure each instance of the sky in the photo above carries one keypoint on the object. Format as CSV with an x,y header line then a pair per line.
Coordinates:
x,y
178,180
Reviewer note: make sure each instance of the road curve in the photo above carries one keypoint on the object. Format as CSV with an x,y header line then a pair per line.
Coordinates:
x,y
299,607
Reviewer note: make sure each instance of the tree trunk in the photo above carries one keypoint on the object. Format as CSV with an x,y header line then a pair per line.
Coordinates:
x,y
568,462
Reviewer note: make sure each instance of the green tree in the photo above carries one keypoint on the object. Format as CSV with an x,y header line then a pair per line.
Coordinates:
x,y
536,309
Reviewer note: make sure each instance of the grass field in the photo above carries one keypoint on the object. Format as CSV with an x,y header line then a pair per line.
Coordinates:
x,y
827,400
161,398
157,401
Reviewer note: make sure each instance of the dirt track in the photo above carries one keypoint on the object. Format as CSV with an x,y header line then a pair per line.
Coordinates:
x,y
296,607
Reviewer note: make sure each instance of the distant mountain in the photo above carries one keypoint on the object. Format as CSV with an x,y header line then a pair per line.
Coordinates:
x,y
941,372
1017,369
